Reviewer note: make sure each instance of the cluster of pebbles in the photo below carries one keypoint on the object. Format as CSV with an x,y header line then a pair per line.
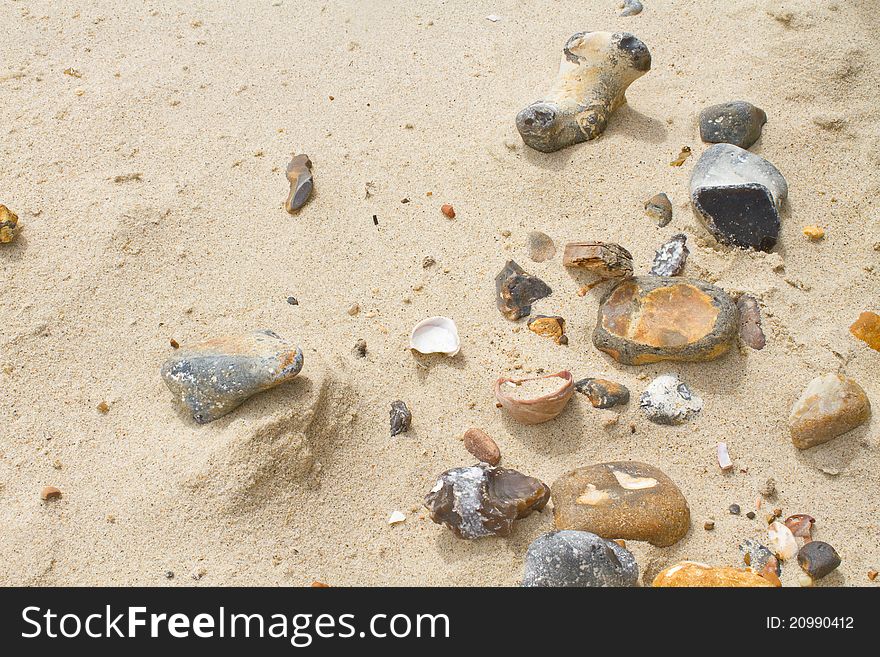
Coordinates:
x,y
661,316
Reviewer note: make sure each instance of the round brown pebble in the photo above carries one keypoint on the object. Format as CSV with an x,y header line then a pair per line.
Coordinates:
x,y
709,525
175,344
750,515
104,407
481,445
50,493
448,210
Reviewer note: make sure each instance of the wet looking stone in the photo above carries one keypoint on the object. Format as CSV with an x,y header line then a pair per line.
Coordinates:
x,y
401,418
691,574
483,500
671,257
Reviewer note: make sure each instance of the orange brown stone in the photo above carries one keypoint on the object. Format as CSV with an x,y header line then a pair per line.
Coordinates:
x,y
691,574
867,329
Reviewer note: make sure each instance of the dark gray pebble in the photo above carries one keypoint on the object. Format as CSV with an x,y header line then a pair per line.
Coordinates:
x,y
737,122
575,558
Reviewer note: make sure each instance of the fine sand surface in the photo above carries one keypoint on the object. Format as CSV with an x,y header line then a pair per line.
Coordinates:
x,y
207,101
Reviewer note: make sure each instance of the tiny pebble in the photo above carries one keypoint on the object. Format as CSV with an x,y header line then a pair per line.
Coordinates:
x,y
872,575
103,407
709,525
174,344
169,574
734,509
448,210
292,301
50,493
750,515
354,309
815,233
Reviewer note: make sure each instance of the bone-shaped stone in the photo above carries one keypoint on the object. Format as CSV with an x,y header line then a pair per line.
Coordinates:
x,y
595,71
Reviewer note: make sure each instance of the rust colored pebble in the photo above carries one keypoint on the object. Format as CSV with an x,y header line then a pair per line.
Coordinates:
x,y
709,525
448,210
175,344
481,445
50,493
104,407
320,585
872,575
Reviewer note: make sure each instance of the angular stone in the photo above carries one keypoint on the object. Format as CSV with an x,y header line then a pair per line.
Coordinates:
x,y
516,291
667,400
670,258
750,322
8,225
548,326
736,122
622,499
213,377
540,246
649,319
759,557
606,260
691,574
738,195
659,208
830,406
482,500
400,418
867,329
603,393
818,559
299,175
578,559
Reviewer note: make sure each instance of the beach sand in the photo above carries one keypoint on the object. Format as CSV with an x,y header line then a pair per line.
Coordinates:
x,y
150,193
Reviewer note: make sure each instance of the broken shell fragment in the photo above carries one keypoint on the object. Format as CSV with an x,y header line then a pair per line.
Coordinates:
x,y
692,574
622,499
540,246
435,335
481,445
659,208
831,405
8,225
516,291
571,558
482,500
668,400
396,518
670,258
537,399
214,377
594,73
603,393
548,326
724,461
648,319
401,418
606,260
801,525
750,322
299,174
781,541
818,559
867,329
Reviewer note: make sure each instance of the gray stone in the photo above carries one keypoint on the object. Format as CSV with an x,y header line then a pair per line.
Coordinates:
x,y
540,246
214,377
670,258
400,417
516,291
738,195
818,559
667,400
574,558
737,122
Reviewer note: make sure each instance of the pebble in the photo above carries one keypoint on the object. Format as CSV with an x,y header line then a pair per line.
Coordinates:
x,y
103,408
50,493
691,574
734,509
578,559
830,406
670,258
594,72
738,195
818,559
360,348
668,400
759,557
623,499
516,291
481,445
484,500
867,329
540,246
603,393
751,515
709,525
550,326
630,8
648,319
448,211
299,174
353,309
292,301
606,260
214,377
736,122
401,418
750,322
815,233
659,208
8,225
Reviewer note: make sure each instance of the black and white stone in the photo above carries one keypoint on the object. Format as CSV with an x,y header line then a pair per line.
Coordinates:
x,y
571,558
737,122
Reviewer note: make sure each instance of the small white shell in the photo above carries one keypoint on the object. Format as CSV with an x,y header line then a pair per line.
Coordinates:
x,y
435,335
396,518
781,540
724,461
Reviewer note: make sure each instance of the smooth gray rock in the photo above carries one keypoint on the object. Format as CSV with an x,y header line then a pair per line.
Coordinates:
x,y
738,195
576,558
737,122
214,377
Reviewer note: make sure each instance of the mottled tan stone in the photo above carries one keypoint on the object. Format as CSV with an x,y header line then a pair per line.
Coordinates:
x,y
622,499
867,329
691,574
606,260
830,406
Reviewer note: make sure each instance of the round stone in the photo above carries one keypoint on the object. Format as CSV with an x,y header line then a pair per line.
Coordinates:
x,y
572,558
649,319
818,559
621,499
830,406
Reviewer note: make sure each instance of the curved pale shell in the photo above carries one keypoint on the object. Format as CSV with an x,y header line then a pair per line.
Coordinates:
x,y
539,409
435,335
